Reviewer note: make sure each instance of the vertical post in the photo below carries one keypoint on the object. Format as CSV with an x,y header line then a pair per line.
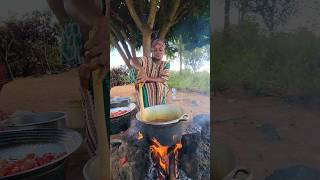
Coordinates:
x,y
103,141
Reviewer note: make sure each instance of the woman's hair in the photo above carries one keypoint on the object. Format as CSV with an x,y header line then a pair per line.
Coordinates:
x,y
158,41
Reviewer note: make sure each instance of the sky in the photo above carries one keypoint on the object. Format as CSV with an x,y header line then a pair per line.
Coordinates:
x,y
8,6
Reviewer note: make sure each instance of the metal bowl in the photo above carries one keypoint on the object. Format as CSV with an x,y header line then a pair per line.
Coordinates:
x,y
119,102
15,144
90,169
123,122
29,120
226,165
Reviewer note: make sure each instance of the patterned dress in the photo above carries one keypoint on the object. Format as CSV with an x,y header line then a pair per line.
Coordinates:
x,y
154,93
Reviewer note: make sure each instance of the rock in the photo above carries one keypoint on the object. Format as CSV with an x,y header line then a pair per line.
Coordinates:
x,y
188,141
203,120
126,172
195,155
194,103
200,123
137,160
269,132
190,165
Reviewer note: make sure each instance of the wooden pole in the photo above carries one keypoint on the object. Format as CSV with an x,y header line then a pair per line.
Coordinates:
x,y
103,141
142,112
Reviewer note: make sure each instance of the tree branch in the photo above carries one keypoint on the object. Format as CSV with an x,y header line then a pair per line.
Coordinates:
x,y
152,13
121,39
166,26
174,10
132,40
181,10
141,6
124,44
123,23
122,54
134,14
163,8
133,50
179,16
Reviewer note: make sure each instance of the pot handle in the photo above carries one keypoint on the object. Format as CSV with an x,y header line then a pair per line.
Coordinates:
x,y
234,174
184,117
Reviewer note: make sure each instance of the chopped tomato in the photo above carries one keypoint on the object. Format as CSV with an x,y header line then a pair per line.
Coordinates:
x,y
28,162
118,113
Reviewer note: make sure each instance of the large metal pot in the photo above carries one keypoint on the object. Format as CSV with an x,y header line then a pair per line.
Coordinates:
x,y
30,120
166,132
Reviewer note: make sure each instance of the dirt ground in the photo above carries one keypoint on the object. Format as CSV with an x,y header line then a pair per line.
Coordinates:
x,y
296,125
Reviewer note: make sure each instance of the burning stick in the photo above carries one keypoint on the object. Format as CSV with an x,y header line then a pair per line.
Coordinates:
x,y
165,159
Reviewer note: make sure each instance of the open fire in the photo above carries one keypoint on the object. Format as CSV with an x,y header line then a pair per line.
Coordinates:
x,y
164,158
138,157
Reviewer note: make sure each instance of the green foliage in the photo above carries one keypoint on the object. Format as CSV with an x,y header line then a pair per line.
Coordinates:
x,y
30,44
196,57
119,76
187,80
194,16
283,64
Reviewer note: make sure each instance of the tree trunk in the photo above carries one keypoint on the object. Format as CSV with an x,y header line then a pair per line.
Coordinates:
x,y
226,15
6,59
239,15
146,44
46,58
180,55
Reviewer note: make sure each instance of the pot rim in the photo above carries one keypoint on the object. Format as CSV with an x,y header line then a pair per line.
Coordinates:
x,y
183,117
63,116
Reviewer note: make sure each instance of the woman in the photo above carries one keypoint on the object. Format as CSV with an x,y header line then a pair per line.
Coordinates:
x,y
79,17
153,73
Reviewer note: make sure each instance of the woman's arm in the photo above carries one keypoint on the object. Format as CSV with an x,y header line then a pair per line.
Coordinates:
x,y
164,76
161,80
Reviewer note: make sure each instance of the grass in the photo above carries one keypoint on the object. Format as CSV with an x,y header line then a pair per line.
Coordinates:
x,y
187,80
284,64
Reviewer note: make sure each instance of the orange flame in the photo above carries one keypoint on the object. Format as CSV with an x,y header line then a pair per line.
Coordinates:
x,y
161,153
177,148
140,136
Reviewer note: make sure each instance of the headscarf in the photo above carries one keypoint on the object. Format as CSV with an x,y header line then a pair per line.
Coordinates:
x,y
158,41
